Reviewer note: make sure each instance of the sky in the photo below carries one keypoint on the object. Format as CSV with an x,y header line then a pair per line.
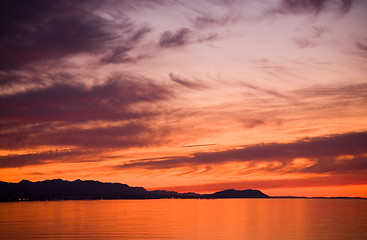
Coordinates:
x,y
186,95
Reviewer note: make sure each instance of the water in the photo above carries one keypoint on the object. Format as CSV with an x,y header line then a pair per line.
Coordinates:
x,y
186,219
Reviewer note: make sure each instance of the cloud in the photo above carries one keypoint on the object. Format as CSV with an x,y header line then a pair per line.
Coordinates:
x,y
207,21
319,31
269,92
82,144
321,149
222,13
185,83
198,145
304,42
314,6
133,134
41,30
299,5
362,46
175,39
252,123
226,13
119,55
9,79
123,53
340,164
314,38
21,160
353,93
76,102
118,113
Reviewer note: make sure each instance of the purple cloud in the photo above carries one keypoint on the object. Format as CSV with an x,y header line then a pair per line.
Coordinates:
x,y
42,30
362,46
77,102
47,116
325,150
304,42
315,6
21,160
175,39
349,93
122,54
185,83
123,136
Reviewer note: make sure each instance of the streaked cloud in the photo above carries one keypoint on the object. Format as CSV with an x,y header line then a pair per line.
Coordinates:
x,y
45,157
77,102
174,39
362,46
324,150
186,83
42,30
315,6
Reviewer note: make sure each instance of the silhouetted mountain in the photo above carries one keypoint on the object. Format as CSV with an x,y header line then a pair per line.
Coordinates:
x,y
59,189
231,193
172,194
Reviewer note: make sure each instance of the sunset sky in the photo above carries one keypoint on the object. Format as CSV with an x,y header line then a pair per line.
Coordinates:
x,y
186,95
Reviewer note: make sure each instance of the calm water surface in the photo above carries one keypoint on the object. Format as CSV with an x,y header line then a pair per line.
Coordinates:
x,y
186,219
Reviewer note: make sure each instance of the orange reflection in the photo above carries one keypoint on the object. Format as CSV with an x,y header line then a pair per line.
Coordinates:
x,y
229,219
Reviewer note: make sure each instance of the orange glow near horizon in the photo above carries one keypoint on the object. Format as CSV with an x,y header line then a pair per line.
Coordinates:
x,y
320,191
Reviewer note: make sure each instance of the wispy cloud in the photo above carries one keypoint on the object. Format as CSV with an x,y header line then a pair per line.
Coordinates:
x,y
229,13
362,45
349,93
122,136
71,111
268,92
46,157
123,53
198,145
175,39
324,150
78,102
47,30
314,6
42,31
304,42
186,83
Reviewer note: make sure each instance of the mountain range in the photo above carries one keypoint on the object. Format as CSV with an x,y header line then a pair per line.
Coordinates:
x,y
58,189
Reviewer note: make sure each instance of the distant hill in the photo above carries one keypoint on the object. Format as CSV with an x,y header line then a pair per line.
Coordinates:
x,y
59,189
231,193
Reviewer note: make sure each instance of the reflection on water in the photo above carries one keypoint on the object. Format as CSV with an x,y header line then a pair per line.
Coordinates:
x,y
185,219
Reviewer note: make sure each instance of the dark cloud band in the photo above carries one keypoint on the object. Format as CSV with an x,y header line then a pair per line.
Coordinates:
x,y
324,150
